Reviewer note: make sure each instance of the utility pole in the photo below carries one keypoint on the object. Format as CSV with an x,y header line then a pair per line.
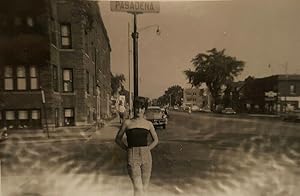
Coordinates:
x,y
135,36
129,71
135,8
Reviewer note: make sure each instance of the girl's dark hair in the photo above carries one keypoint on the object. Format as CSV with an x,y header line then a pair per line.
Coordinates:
x,y
140,103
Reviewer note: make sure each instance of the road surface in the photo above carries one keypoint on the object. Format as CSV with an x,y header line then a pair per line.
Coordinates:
x,y
198,154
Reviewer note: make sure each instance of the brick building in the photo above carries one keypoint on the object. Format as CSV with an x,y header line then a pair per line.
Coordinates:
x,y
196,96
273,94
59,49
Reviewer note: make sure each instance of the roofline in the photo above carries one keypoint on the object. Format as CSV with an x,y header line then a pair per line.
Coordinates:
x,y
104,28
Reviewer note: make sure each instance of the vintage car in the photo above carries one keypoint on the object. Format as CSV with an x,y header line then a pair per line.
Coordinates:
x,y
156,116
228,111
195,108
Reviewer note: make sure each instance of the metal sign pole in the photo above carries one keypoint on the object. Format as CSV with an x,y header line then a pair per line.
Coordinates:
x,y
135,37
129,72
0,177
135,7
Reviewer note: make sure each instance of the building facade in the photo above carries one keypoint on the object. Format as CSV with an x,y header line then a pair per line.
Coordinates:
x,y
55,64
199,96
273,94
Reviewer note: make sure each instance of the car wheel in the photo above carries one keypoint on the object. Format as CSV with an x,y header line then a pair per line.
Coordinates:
x,y
164,126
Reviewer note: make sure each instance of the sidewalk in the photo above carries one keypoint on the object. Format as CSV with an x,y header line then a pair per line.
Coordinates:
x,y
57,135
110,131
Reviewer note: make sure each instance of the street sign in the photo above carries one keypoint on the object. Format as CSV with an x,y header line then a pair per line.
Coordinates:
x,y
135,6
270,94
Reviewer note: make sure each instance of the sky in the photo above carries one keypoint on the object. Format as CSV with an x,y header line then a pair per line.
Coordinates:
x,y
259,32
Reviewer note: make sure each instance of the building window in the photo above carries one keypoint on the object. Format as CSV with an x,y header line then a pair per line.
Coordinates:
x,y
8,78
68,80
34,83
10,115
29,21
35,115
17,78
17,21
23,119
55,78
21,78
35,118
292,89
69,117
87,82
65,31
10,119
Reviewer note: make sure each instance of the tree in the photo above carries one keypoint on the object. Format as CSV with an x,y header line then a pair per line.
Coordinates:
x,y
173,95
216,70
117,83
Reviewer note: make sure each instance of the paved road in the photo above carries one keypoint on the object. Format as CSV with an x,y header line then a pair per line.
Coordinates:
x,y
198,154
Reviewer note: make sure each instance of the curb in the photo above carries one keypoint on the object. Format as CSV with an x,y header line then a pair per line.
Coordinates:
x,y
239,115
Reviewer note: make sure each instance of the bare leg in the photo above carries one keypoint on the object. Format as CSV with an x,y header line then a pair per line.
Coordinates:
x,y
137,186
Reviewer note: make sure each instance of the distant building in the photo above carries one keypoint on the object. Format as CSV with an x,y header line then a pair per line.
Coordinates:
x,y
273,94
199,96
61,47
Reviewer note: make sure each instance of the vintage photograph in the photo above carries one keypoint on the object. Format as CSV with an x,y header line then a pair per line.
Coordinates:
x,y
149,98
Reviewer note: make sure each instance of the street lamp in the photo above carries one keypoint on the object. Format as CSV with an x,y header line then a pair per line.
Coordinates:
x,y
158,31
135,8
135,36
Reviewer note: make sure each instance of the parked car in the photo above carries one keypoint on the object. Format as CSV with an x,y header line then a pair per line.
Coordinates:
x,y
292,115
205,110
176,107
219,108
195,108
156,116
184,108
228,111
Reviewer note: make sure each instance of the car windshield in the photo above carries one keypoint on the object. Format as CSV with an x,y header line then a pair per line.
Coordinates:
x,y
154,110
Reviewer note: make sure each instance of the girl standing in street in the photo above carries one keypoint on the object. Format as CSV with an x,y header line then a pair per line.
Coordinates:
x,y
139,159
